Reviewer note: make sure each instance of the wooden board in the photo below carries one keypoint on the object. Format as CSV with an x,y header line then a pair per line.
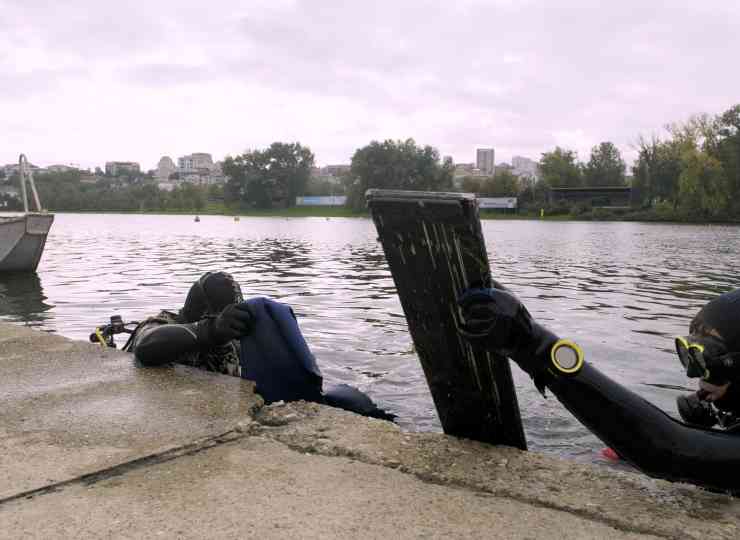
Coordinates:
x,y
435,250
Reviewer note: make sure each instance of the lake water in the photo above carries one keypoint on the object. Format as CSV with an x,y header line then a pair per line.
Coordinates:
x,y
622,290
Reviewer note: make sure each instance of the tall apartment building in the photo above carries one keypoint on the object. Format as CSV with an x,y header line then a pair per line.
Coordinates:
x,y
165,168
117,168
484,160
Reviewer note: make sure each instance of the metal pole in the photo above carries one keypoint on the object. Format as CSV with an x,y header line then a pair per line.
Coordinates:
x,y
35,193
22,162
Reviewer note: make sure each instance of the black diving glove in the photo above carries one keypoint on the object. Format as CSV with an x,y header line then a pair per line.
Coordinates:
x,y
235,321
497,320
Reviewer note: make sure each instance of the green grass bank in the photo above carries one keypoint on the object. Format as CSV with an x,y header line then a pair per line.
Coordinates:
x,y
593,214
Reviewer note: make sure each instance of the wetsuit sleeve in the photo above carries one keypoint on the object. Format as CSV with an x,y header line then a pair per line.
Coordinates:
x,y
638,431
159,344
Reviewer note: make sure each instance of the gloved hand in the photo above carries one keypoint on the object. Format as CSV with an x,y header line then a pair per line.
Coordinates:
x,y
497,320
235,321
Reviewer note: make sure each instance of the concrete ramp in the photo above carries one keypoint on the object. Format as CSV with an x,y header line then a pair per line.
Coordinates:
x,y
68,409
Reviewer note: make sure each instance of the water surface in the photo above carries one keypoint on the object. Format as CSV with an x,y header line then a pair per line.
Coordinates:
x,y
622,290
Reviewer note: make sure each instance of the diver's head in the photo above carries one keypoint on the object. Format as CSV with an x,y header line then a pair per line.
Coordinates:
x,y
712,348
720,319
210,295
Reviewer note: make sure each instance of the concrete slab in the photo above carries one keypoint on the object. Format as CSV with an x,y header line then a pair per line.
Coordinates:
x,y
628,501
258,488
129,452
71,408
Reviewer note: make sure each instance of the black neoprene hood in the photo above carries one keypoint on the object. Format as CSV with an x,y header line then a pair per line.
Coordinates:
x,y
720,318
209,295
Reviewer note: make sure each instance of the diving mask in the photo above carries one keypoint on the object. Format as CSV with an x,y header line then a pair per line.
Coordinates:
x,y
706,358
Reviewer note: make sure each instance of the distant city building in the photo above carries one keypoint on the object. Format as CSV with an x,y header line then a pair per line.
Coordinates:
x,y
61,168
11,168
194,162
217,173
484,159
118,168
335,170
524,166
526,169
199,168
165,168
503,166
464,169
330,173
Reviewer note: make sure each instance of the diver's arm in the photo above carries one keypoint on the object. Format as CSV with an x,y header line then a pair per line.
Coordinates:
x,y
638,431
160,344
644,435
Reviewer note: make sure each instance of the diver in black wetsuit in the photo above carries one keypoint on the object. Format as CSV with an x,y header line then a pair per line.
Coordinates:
x,y
206,333
638,431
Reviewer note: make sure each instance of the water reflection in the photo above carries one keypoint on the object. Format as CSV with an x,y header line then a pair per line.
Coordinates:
x,y
621,289
22,298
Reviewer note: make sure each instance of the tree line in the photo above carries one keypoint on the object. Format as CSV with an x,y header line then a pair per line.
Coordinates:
x,y
65,192
692,171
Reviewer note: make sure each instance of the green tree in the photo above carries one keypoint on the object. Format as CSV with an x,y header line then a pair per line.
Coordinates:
x,y
725,147
657,171
322,186
472,184
268,178
560,169
502,184
702,186
605,167
215,192
396,165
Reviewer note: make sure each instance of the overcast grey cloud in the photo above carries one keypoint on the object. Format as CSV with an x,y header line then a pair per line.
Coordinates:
x,y
87,81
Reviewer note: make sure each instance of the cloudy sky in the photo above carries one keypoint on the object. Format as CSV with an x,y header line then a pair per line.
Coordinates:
x,y
85,81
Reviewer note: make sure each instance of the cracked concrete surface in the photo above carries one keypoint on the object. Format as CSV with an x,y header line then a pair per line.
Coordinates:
x,y
91,446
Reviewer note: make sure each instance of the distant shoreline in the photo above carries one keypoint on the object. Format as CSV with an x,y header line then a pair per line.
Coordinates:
x,y
334,211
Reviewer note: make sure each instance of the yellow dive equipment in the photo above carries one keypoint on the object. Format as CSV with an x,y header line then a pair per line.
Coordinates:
x,y
101,338
566,357
691,356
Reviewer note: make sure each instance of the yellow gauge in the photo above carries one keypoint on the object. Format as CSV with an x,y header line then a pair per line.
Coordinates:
x,y
566,356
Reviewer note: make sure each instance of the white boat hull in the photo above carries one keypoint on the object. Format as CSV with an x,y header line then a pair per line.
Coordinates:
x,y
22,240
